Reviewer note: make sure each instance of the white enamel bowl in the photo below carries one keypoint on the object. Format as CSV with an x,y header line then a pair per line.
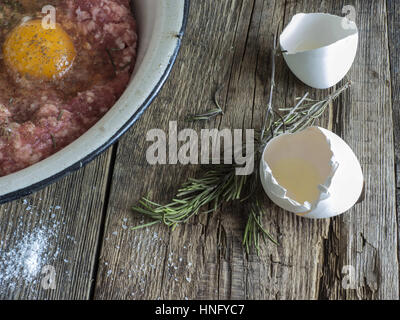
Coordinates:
x,y
160,26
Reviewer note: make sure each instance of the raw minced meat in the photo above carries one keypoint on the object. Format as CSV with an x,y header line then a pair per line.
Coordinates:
x,y
39,117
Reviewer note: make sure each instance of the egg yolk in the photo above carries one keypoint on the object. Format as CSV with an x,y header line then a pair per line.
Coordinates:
x,y
41,53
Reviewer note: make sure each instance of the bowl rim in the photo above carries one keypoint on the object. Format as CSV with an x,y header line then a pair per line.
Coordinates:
x,y
14,195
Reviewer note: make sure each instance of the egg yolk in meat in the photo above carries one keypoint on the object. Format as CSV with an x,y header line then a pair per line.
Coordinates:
x,y
41,53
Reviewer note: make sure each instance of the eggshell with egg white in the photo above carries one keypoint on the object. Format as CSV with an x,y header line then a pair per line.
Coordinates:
x,y
330,156
319,48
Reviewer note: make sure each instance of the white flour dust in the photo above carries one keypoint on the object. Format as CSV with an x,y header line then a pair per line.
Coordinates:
x,y
138,274
22,260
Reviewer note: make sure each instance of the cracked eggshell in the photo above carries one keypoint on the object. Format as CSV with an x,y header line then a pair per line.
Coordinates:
x,y
319,48
341,175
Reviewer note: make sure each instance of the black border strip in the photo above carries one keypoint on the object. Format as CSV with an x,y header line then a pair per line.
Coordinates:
x,y
79,164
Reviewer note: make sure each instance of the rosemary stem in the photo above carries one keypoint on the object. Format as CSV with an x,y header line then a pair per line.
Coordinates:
x,y
220,184
271,91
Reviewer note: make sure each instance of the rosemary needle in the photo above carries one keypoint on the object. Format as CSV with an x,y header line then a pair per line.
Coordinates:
x,y
219,184
208,114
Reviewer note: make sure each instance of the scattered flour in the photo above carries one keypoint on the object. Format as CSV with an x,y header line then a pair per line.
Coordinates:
x,y
22,262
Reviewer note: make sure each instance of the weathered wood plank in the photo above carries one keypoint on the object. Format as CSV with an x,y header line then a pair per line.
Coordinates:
x,y
229,42
393,12
174,264
58,226
366,237
222,270
154,266
279,271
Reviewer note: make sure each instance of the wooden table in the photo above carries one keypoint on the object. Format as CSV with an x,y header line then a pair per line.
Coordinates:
x,y
80,226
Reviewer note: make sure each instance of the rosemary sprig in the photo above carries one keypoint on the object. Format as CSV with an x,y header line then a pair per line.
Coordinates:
x,y
110,56
254,229
210,113
270,113
60,114
112,60
53,141
219,184
204,116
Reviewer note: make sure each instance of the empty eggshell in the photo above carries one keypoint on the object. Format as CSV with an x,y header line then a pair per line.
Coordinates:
x,y
319,48
312,173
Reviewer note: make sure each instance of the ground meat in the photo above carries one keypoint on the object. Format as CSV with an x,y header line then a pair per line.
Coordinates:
x,y
38,118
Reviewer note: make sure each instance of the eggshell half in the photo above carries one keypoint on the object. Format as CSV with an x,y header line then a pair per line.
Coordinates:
x,y
334,159
319,48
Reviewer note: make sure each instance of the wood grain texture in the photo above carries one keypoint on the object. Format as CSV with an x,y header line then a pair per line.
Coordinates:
x,y
227,42
393,13
204,259
366,237
58,226
165,270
